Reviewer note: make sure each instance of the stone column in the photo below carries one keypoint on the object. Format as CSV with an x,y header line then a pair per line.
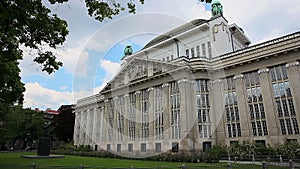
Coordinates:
x,y
116,118
218,112
184,104
96,126
166,111
106,126
183,85
138,134
92,124
151,113
293,71
83,127
102,128
126,117
77,129
268,101
151,120
242,105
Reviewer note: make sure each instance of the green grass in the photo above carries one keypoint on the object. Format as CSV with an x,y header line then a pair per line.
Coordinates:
x,y
14,160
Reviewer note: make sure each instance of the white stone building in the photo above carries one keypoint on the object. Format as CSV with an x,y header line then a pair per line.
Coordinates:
x,y
195,86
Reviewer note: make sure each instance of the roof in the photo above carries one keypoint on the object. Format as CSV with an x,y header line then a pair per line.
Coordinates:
x,y
174,32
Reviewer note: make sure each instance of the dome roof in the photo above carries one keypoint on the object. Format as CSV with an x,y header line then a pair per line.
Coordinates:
x,y
215,2
174,32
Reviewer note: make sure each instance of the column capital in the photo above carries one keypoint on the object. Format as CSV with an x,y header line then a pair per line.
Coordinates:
x,y
216,81
265,70
291,64
115,98
240,76
150,89
106,100
183,81
126,95
165,85
137,92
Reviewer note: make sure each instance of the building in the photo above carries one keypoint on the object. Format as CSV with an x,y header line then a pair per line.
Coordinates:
x,y
195,86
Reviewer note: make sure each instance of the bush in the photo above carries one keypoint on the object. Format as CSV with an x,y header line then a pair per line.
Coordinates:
x,y
214,154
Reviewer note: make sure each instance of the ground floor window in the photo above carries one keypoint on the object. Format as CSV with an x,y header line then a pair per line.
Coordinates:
x,y
206,146
130,147
143,147
96,147
108,147
158,147
175,147
118,147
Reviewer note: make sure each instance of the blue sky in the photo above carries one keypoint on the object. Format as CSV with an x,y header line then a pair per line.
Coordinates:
x,y
92,52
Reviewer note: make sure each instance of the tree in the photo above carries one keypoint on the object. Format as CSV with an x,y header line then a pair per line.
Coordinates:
x,y
30,24
21,124
63,123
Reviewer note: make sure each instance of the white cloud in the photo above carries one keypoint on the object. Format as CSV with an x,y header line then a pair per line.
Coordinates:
x,y
36,96
261,21
111,68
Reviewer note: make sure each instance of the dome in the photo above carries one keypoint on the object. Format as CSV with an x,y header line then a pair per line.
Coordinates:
x,y
128,50
215,2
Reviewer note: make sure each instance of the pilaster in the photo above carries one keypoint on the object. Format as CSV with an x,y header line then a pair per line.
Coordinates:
x,y
151,118
126,117
138,124
268,100
116,114
217,107
242,105
293,71
95,126
167,115
105,122
151,113
76,129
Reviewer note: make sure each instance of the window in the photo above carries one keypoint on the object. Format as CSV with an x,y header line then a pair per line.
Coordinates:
x,y
130,147
192,52
209,50
175,147
206,146
203,50
143,147
198,50
158,112
118,147
231,108
175,110
255,104
108,147
145,114
132,116
168,59
158,147
203,107
187,53
284,100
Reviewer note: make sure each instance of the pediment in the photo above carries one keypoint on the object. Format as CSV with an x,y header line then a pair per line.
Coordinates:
x,y
139,69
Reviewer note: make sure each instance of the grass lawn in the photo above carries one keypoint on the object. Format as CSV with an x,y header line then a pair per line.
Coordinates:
x,y
14,160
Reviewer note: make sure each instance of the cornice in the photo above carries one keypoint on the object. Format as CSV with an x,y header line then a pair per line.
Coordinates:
x,y
238,77
296,63
265,70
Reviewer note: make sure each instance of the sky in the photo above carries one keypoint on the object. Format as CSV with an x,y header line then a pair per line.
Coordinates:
x,y
93,50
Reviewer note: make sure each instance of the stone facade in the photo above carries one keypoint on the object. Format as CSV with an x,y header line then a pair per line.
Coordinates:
x,y
202,86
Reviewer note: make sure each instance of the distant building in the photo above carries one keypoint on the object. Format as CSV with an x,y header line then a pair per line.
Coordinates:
x,y
193,87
